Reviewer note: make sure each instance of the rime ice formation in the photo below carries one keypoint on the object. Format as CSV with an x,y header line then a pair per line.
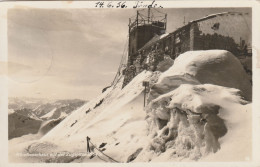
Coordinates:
x,y
188,120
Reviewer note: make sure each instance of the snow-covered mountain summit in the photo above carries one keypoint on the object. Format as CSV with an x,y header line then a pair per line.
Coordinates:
x,y
193,112
28,115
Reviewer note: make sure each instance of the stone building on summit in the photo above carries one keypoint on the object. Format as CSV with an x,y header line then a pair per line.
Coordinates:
x,y
150,46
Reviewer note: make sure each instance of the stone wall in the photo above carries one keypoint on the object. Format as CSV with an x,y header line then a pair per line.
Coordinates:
x,y
227,31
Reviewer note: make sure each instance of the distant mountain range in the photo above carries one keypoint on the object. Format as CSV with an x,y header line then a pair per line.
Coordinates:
x,y
28,115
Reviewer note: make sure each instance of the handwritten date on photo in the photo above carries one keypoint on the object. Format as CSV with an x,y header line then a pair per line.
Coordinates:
x,y
124,4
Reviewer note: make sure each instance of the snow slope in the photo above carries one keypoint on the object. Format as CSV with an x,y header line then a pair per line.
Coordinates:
x,y
187,117
102,113
114,122
46,126
49,114
54,114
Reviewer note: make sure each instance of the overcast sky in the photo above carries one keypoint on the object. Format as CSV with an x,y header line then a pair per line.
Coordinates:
x,y
73,53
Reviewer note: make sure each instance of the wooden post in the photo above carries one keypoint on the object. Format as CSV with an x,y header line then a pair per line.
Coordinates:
x,y
88,148
145,84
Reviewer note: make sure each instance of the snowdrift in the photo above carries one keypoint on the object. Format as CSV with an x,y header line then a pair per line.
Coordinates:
x,y
189,118
197,110
218,67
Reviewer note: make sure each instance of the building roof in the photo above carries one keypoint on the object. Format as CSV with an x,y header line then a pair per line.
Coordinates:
x,y
215,15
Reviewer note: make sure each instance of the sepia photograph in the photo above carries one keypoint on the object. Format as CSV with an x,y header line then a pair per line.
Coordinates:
x,y
115,83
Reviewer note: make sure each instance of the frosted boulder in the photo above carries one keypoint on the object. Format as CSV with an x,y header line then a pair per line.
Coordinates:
x,y
218,67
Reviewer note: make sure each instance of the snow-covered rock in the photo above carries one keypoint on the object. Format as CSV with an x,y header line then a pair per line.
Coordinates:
x,y
190,118
218,67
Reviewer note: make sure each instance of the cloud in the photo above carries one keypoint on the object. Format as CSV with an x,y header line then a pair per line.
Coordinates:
x,y
72,52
